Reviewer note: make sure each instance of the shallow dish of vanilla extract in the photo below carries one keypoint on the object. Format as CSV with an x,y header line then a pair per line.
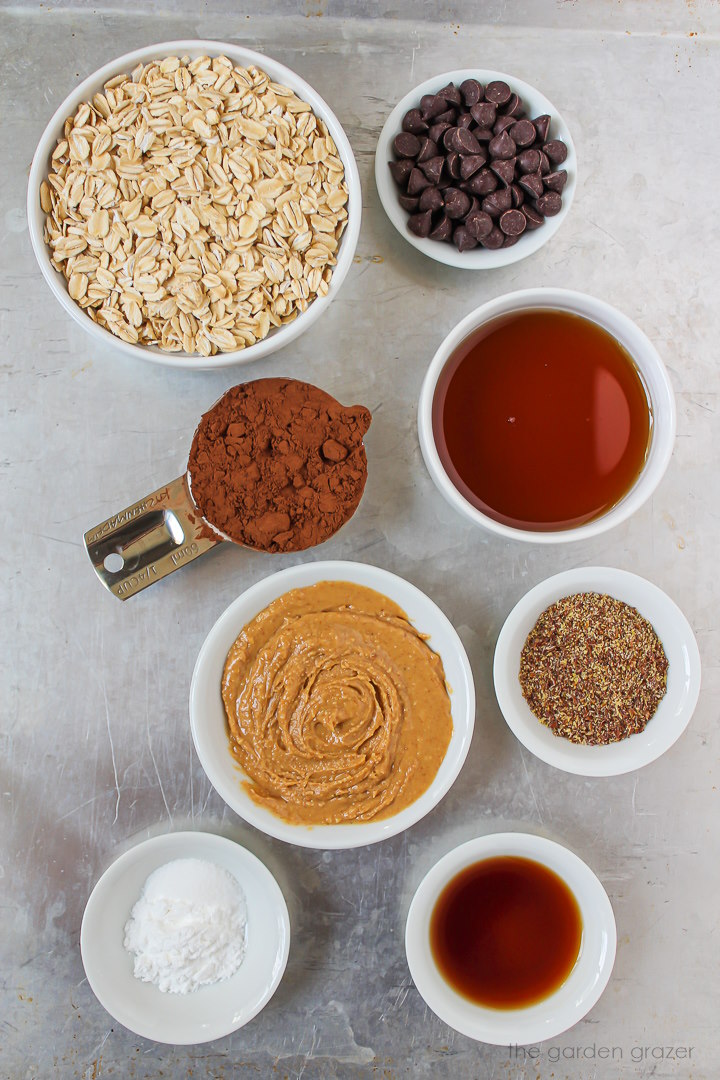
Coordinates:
x,y
542,420
506,932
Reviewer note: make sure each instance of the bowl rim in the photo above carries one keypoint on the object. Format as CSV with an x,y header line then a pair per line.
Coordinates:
x,y
674,711
278,336
643,353
577,994
156,851
208,673
480,258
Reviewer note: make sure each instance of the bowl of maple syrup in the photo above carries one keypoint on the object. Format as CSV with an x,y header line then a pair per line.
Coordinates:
x,y
510,938
547,416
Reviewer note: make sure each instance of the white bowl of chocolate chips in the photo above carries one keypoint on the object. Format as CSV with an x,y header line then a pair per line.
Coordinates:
x,y
476,169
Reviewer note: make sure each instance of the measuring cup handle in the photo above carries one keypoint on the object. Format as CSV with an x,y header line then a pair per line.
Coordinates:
x,y
148,540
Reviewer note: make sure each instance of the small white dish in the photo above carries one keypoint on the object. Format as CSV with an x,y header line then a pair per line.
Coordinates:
x,y
566,1005
209,723
212,1011
674,711
634,341
279,336
479,258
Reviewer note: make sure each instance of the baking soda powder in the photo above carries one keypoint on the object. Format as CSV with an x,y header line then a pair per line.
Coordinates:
x,y
189,927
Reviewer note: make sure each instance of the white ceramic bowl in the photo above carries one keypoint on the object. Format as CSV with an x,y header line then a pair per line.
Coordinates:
x,y
563,1008
279,336
653,372
675,709
479,258
209,723
212,1011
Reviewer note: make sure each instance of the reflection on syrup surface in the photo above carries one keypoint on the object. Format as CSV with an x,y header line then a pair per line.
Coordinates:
x,y
506,932
542,420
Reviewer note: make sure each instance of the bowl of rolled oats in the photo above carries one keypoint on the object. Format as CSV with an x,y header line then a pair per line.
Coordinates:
x,y
194,203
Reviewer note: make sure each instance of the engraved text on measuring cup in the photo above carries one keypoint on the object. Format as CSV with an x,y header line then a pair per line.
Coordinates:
x,y
132,512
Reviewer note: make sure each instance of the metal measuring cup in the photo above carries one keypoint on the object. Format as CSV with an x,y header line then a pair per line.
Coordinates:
x,y
155,536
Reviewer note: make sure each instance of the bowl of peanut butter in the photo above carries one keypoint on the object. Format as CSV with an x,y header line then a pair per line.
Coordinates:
x,y
332,705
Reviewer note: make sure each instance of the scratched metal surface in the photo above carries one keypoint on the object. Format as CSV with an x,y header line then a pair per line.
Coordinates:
x,y
96,750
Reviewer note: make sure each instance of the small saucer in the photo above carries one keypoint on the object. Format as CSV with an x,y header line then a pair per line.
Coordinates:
x,y
212,1011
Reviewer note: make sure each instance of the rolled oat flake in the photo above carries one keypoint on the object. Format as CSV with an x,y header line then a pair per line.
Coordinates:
x,y
593,669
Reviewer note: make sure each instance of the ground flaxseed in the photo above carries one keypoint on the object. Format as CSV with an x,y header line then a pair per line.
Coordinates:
x,y
593,669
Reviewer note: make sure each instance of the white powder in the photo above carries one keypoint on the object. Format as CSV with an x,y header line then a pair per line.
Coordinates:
x,y
189,927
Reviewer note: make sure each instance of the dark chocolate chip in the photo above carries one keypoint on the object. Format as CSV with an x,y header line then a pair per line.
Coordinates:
x,y
410,203
512,222
437,131
496,202
544,162
428,149
556,151
484,114
448,138
471,163
420,224
518,195
510,240
451,94
431,199
503,123
533,218
499,92
432,105
452,163
472,92
406,145
462,239
494,239
529,161
483,134
465,120
478,224
501,146
555,181
400,171
433,168
418,181
523,133
549,204
465,142
542,126
482,183
443,230
448,117
457,203
504,170
532,183
513,106
414,123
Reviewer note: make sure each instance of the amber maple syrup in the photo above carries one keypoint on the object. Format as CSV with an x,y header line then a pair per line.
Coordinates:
x,y
542,420
506,932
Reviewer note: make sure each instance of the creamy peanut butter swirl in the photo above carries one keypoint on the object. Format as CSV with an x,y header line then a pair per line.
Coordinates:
x,y
337,707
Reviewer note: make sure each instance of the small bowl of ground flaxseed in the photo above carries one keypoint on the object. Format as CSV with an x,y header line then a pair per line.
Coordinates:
x,y
597,671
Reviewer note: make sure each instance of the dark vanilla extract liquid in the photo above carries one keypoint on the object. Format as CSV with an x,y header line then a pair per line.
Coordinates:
x,y
542,420
506,932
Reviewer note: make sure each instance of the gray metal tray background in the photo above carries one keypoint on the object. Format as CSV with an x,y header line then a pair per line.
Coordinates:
x,y
96,750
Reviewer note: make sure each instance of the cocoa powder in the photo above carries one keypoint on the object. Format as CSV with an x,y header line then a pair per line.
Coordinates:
x,y
278,464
